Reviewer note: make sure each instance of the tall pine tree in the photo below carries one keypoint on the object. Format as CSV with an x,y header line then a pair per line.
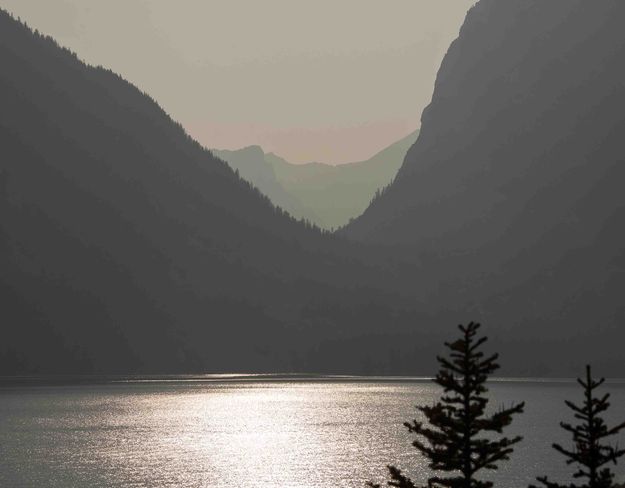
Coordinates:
x,y
454,441
588,452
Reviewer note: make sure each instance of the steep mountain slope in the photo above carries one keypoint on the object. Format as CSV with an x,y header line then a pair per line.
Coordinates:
x,y
326,195
252,166
126,246
512,197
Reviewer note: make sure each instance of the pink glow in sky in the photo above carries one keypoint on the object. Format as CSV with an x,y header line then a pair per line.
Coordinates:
x,y
325,80
301,144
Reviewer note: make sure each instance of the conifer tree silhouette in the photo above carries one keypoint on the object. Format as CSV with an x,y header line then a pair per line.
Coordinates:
x,y
588,451
452,443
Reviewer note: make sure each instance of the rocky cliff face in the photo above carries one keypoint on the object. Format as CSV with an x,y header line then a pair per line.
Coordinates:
x,y
530,93
512,197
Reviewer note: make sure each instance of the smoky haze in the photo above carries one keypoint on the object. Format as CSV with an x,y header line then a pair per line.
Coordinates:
x,y
127,247
311,81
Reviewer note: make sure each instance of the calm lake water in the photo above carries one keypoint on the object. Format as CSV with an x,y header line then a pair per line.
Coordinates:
x,y
252,433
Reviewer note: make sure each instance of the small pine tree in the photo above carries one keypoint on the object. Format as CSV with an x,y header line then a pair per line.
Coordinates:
x,y
453,443
589,453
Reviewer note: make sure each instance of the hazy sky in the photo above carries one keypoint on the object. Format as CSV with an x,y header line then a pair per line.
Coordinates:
x,y
322,80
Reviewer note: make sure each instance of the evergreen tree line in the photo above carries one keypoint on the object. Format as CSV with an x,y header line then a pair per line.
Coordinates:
x,y
461,440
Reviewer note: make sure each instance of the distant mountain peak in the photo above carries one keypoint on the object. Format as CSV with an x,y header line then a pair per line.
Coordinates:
x,y
328,195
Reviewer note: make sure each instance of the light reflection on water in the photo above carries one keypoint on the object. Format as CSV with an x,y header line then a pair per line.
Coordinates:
x,y
249,433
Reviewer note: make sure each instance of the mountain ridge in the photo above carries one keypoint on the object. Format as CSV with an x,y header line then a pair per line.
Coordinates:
x,y
510,199
126,246
324,194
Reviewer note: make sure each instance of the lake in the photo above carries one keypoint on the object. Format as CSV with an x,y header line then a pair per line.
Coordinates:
x,y
255,431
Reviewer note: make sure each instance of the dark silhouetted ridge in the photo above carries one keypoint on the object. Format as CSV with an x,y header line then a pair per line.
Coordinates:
x,y
126,246
512,197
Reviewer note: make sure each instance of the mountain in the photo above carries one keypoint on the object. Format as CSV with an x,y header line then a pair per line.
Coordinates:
x,y
326,195
126,246
251,164
116,228
512,198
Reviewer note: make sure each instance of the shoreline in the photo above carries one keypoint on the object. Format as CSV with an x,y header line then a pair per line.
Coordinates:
x,y
229,378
